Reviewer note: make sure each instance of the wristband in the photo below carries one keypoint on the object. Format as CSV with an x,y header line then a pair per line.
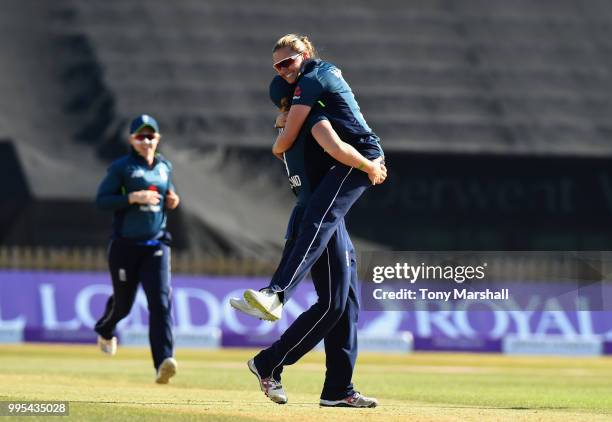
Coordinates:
x,y
361,166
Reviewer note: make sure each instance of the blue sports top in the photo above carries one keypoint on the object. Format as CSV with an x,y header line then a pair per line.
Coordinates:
x,y
306,165
305,162
322,82
129,174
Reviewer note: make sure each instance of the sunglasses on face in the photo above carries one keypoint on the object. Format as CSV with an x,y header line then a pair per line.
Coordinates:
x,y
285,62
143,137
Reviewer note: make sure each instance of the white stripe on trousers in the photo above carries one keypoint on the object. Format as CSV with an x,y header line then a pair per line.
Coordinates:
x,y
317,232
316,323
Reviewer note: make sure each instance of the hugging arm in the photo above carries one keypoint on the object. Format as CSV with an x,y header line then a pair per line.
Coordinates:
x,y
346,154
295,119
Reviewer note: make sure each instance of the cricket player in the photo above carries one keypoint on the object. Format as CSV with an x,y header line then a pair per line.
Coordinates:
x,y
333,274
138,188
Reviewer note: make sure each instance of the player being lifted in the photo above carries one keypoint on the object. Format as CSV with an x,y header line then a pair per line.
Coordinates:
x,y
323,106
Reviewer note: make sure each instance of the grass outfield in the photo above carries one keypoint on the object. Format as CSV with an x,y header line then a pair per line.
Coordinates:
x,y
216,385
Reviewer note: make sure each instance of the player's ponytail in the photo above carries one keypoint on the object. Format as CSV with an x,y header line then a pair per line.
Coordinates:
x,y
298,43
308,46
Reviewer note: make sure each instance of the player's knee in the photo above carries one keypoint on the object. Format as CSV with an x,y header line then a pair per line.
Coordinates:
x,y
354,314
354,305
330,311
121,313
336,310
159,306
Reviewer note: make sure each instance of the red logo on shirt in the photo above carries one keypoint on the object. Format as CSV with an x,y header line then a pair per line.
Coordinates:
x,y
152,187
297,92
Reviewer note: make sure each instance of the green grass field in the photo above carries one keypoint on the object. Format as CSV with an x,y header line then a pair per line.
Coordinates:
x,y
216,385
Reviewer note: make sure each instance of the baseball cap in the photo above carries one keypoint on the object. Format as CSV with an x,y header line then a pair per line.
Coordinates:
x,y
144,120
279,90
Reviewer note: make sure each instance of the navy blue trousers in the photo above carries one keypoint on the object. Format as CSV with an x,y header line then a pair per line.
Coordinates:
x,y
339,189
323,247
129,264
293,228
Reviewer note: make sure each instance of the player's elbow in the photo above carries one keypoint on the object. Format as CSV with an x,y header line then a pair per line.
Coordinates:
x,y
277,150
107,202
284,142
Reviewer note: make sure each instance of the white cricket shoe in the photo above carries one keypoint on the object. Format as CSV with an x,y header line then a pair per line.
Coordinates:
x,y
271,388
266,301
355,400
166,370
108,346
241,305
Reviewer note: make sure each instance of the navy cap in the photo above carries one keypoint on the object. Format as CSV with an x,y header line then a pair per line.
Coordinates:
x,y
281,92
144,120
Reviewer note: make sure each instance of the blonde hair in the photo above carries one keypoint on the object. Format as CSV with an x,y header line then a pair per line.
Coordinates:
x,y
298,43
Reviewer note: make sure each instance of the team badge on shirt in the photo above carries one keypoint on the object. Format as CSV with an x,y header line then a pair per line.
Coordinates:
x,y
297,93
137,173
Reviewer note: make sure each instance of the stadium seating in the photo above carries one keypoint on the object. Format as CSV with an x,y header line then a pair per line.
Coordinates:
x,y
474,76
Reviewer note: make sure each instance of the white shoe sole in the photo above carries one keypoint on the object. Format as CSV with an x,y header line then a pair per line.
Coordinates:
x,y
242,306
342,403
166,371
252,300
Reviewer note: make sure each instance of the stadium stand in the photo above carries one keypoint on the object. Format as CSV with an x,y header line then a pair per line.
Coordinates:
x,y
461,92
431,75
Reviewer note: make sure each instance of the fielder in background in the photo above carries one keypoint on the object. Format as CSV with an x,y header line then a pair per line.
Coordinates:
x,y
138,188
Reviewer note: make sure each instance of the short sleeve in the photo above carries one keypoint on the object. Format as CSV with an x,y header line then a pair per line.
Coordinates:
x,y
307,91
